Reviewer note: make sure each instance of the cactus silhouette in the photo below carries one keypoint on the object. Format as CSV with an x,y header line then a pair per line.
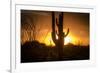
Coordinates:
x,y
59,42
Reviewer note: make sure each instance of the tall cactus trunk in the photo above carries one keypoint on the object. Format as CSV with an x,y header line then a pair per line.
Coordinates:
x,y
60,36
53,29
59,43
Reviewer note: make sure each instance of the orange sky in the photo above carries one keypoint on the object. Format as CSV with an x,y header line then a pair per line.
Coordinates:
x,y
78,24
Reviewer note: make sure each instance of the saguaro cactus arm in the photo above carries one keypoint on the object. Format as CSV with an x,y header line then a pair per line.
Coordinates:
x,y
54,38
66,33
53,29
57,23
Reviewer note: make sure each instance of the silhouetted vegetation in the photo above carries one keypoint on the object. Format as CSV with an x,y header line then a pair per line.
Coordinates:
x,y
59,43
39,52
33,51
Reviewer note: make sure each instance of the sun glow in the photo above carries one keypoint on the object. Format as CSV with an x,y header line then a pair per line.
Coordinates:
x,y
67,40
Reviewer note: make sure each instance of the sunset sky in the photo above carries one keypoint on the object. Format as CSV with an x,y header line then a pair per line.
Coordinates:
x,y
78,24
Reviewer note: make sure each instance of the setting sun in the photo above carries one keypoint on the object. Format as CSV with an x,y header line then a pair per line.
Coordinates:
x,y
67,40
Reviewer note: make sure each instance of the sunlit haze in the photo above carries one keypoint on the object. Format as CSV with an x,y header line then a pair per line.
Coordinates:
x,y
78,24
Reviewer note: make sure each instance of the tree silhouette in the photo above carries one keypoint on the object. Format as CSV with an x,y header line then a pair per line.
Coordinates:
x,y
28,24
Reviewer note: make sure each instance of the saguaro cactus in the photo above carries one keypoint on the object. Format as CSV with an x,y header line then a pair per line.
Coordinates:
x,y
60,41
53,29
